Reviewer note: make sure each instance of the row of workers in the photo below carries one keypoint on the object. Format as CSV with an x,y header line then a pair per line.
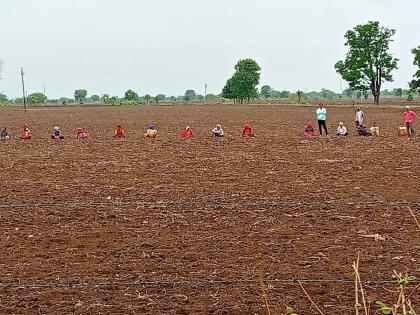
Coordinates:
x,y
151,132
362,130
408,115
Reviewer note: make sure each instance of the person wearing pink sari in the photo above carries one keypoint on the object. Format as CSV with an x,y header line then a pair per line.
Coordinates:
x,y
81,134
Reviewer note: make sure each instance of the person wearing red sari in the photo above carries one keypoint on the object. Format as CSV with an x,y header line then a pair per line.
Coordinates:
x,y
26,133
119,132
247,131
309,130
186,133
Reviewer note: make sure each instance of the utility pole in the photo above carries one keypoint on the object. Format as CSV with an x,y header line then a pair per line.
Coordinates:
x,y
205,92
23,88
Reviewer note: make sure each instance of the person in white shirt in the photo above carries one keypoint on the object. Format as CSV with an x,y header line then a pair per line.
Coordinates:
x,y
342,130
218,131
321,117
360,117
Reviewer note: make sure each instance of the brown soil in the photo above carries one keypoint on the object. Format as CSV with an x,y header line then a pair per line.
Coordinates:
x,y
168,226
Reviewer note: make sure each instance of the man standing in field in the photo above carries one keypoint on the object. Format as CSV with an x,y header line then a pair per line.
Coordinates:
x,y
321,116
409,117
360,117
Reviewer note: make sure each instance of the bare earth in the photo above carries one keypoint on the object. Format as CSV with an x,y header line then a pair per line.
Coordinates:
x,y
168,226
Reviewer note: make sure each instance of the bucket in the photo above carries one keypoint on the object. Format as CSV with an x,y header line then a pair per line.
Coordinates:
x,y
402,131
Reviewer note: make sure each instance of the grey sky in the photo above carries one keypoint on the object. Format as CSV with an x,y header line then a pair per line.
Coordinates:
x,y
168,46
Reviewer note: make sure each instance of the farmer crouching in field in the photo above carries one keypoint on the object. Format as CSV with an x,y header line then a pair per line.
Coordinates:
x,y
81,134
57,133
247,131
362,130
374,129
151,132
218,131
26,133
321,117
4,134
186,133
409,117
342,130
119,132
309,130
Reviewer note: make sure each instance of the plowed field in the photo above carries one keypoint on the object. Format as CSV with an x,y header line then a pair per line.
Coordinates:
x,y
171,226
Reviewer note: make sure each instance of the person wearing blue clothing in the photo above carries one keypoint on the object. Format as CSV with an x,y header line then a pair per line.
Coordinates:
x,y
321,117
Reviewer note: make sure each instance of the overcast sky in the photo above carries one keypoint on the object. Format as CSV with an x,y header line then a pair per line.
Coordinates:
x,y
168,46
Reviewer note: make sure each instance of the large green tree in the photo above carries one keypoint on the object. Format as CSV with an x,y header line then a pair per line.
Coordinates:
x,y
243,84
190,94
266,91
130,95
37,98
368,62
80,95
415,83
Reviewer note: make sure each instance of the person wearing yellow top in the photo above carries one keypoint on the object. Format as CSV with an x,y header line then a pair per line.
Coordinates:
x,y
151,132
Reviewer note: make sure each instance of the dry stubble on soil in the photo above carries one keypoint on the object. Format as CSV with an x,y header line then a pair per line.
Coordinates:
x,y
85,221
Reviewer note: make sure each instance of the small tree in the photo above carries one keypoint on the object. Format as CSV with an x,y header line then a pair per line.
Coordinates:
x,y
3,98
284,94
157,99
266,91
398,92
190,94
63,100
368,63
365,94
130,95
415,83
95,98
36,98
410,96
147,98
299,94
186,99
80,96
349,93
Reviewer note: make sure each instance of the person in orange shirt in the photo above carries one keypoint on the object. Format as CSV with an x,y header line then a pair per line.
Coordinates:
x,y
247,131
26,133
186,133
119,132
